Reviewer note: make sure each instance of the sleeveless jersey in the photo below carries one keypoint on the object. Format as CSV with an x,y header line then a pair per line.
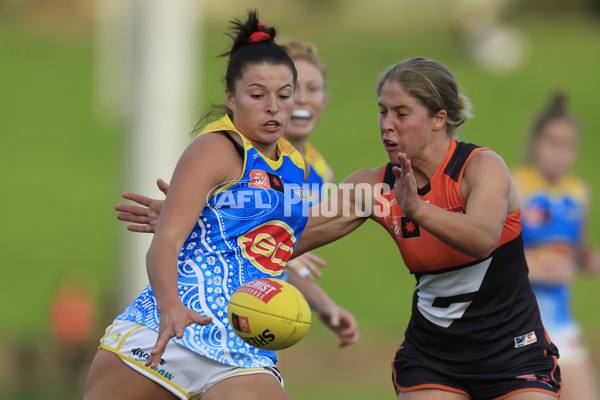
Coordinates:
x,y
551,213
247,231
464,309
554,216
318,173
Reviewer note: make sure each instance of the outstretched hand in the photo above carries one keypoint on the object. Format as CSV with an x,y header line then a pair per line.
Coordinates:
x,y
307,265
172,324
144,219
405,187
342,323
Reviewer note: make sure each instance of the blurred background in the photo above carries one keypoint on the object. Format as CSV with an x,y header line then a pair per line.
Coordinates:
x,y
99,97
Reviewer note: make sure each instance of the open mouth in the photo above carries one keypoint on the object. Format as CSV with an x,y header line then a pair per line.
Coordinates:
x,y
301,114
272,124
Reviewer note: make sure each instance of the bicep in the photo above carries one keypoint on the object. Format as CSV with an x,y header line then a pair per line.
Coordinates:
x,y
206,163
489,188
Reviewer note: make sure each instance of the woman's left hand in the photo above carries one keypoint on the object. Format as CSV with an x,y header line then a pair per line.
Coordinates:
x,y
405,187
173,322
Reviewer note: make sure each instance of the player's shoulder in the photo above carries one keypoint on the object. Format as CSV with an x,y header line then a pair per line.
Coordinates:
x,y
486,154
576,186
370,176
485,161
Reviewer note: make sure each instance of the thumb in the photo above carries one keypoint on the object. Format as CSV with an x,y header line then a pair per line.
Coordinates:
x,y
397,171
162,185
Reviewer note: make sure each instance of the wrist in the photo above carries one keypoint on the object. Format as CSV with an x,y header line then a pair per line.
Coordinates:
x,y
299,268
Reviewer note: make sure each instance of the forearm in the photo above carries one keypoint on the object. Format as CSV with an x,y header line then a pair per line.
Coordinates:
x,y
315,296
320,231
471,235
161,266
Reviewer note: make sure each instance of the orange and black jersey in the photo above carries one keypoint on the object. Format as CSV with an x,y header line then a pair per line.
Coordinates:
x,y
464,309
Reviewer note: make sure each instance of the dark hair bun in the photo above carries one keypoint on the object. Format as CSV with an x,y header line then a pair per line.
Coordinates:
x,y
241,30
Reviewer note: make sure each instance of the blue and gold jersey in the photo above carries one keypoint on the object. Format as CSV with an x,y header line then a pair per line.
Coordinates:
x,y
318,166
553,219
247,230
551,213
318,173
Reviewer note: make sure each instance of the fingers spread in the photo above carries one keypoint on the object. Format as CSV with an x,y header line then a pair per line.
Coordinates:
x,y
138,198
315,259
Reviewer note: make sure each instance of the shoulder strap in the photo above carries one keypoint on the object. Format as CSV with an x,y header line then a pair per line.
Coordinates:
x,y
238,147
458,159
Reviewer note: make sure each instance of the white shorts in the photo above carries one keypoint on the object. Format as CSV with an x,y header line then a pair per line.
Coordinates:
x,y
181,371
568,340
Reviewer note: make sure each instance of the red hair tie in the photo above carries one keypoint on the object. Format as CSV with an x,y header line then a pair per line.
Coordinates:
x,y
259,37
260,25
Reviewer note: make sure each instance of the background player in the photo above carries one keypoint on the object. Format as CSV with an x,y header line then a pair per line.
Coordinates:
x,y
555,210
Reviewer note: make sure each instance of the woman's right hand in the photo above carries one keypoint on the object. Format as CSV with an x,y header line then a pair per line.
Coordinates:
x,y
144,218
172,324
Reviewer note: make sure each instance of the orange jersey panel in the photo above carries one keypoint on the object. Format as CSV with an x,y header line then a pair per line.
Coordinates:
x,y
421,251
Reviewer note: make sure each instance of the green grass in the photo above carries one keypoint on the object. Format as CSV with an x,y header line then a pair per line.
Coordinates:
x,y
62,167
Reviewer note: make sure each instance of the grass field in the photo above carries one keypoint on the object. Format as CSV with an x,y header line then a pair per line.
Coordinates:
x,y
61,176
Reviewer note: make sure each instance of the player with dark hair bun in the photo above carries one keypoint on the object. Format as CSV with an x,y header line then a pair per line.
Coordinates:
x,y
174,341
263,49
555,207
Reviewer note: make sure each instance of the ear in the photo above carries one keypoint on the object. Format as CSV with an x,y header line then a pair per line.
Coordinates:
x,y
439,120
230,100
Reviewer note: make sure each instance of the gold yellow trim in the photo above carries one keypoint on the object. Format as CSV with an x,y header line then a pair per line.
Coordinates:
x,y
284,148
125,336
316,160
128,359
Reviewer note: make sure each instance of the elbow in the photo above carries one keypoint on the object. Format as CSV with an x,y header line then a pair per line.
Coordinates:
x,y
483,247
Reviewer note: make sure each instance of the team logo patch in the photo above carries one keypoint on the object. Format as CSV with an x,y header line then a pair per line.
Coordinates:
x,y
525,340
265,180
410,229
262,289
268,246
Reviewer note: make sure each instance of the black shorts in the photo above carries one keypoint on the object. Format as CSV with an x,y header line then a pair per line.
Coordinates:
x,y
413,370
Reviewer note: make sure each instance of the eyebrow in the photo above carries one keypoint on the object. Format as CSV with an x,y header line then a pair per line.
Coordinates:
x,y
264,87
401,107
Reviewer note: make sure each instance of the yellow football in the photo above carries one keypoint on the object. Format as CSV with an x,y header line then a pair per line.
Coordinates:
x,y
268,313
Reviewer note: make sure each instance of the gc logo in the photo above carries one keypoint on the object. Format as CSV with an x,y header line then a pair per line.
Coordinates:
x,y
268,246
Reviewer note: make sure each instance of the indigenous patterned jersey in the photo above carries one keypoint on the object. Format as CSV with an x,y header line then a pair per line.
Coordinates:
x,y
463,308
247,231
551,213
